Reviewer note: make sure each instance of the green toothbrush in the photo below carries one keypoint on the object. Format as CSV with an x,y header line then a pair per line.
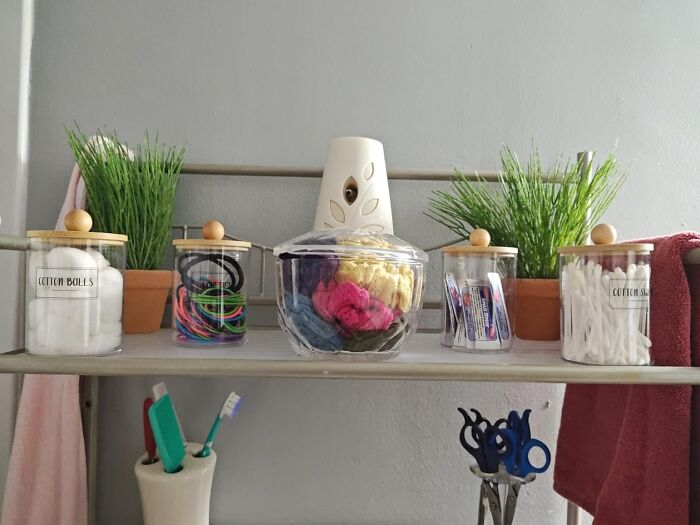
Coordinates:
x,y
228,409
166,430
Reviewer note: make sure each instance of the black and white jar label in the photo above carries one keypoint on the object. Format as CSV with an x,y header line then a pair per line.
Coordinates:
x,y
628,294
66,283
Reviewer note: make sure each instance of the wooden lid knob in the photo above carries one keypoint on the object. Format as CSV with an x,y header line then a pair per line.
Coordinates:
x,y
213,230
77,221
604,234
479,237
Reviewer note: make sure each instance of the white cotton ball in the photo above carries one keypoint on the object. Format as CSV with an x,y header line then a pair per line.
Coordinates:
x,y
109,338
36,334
67,257
30,339
99,259
56,337
36,311
110,293
37,259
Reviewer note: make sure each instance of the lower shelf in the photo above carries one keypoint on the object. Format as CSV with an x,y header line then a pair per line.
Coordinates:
x,y
269,354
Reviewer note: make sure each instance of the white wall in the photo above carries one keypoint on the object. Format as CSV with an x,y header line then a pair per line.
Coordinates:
x,y
16,37
440,83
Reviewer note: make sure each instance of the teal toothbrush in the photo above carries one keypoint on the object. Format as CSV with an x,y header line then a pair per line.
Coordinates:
x,y
228,409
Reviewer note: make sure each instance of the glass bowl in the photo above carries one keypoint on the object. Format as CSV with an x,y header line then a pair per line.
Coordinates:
x,y
349,294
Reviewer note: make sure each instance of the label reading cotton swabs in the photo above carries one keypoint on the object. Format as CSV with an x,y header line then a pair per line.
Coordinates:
x,y
628,294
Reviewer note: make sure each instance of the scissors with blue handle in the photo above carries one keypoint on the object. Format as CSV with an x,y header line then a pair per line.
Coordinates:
x,y
517,456
487,450
520,425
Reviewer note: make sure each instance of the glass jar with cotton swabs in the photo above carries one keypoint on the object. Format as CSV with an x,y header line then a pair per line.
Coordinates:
x,y
605,299
478,295
210,302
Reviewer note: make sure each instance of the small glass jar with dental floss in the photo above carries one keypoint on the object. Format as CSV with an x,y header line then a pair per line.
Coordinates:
x,y
210,300
74,289
478,306
605,299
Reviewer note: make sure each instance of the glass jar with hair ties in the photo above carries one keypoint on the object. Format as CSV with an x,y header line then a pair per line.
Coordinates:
x,y
210,302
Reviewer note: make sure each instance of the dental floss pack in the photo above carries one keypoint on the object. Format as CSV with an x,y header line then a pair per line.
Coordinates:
x,y
478,295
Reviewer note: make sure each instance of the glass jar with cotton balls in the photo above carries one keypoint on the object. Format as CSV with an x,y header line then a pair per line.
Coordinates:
x,y
74,289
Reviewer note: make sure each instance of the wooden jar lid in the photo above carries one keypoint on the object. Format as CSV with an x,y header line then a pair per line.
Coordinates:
x,y
479,240
604,237
78,224
213,232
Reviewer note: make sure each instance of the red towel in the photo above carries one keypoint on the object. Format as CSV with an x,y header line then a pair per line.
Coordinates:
x,y
693,272
623,452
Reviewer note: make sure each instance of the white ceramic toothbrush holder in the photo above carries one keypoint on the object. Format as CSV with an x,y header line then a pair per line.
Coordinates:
x,y
181,498
355,189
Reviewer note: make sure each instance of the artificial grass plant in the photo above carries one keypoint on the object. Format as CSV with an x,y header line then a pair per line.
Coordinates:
x,y
536,210
132,194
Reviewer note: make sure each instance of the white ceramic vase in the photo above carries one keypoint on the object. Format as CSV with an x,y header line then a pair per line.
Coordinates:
x,y
355,189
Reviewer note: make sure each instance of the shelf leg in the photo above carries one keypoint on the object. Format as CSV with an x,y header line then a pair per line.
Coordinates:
x,y
573,514
89,390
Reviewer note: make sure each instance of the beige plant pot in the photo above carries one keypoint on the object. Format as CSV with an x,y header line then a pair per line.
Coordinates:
x,y
537,309
145,295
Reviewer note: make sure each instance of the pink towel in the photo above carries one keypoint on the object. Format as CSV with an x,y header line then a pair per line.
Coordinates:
x,y
623,452
75,197
47,476
47,480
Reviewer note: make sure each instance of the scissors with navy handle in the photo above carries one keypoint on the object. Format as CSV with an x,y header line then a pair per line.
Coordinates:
x,y
487,450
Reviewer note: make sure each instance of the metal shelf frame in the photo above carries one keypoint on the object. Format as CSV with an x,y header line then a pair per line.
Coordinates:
x,y
408,366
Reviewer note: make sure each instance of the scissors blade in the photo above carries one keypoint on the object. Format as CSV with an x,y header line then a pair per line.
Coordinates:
x,y
511,502
483,503
494,499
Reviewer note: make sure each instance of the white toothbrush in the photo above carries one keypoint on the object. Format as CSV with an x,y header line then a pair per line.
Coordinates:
x,y
228,409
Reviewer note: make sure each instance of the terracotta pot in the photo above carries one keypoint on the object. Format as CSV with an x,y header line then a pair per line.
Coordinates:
x,y
145,294
537,309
